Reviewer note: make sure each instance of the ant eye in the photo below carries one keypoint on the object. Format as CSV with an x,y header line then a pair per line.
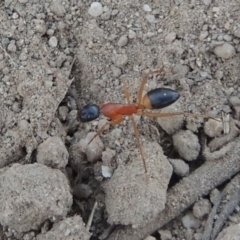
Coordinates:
x,y
89,113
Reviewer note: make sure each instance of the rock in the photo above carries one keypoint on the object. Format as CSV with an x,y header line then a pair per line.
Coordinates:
x,y
53,153
203,35
82,191
202,208
151,18
207,2
146,8
170,37
213,128
94,149
32,194
187,145
120,60
237,32
131,34
57,8
116,71
96,9
165,234
123,40
131,188
53,42
63,112
69,228
230,233
225,51
106,172
179,167
189,221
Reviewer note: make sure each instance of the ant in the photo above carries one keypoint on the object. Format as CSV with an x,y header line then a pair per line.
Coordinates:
x,y
155,99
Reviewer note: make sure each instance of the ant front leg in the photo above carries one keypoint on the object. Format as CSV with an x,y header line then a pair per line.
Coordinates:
x,y
118,119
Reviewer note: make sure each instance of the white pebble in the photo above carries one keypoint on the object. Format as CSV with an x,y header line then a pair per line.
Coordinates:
x,y
227,37
225,51
150,18
122,41
146,8
96,9
203,35
170,37
207,2
189,221
131,34
106,171
53,42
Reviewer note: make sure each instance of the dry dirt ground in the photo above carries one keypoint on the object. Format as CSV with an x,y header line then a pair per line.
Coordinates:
x,y
57,56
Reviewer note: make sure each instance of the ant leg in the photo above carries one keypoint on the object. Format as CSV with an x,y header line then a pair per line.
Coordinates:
x,y
136,132
144,81
116,120
150,114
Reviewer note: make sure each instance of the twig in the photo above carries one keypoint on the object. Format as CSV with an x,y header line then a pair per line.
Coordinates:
x,y
210,221
89,223
185,193
233,192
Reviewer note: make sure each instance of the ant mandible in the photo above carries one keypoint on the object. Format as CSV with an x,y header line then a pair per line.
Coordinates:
x,y
155,99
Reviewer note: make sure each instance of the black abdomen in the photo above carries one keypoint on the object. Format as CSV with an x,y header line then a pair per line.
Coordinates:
x,y
162,97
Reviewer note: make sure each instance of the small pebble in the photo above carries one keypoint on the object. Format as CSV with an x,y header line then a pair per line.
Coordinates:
x,y
106,172
5,42
202,208
57,8
234,101
216,10
213,128
207,2
237,32
203,35
94,149
53,42
151,18
63,111
123,40
116,71
131,34
218,74
179,167
225,51
170,37
96,9
53,153
120,60
230,233
146,8
106,16
189,221
165,234
149,238
12,47
187,145
82,191
227,37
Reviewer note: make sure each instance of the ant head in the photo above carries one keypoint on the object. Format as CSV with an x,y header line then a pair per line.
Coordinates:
x,y
89,112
